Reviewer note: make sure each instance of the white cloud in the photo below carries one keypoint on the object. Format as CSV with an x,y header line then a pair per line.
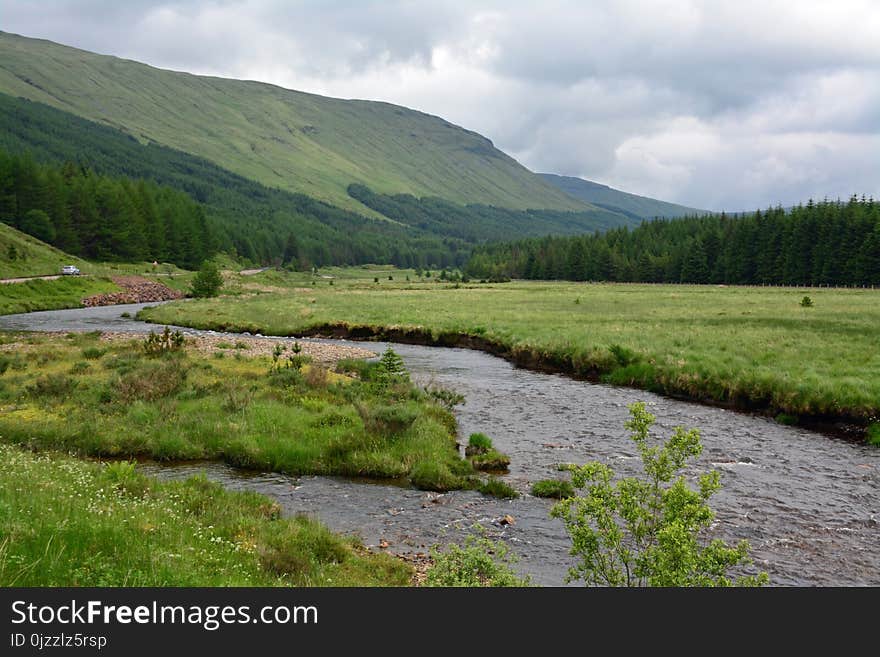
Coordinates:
x,y
714,104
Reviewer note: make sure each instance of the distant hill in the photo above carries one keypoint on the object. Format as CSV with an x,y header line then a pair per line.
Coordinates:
x,y
614,200
287,139
258,222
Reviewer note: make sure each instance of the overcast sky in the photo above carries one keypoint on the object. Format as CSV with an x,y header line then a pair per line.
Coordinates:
x,y
718,105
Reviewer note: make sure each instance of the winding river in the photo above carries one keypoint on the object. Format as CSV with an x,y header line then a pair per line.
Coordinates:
x,y
807,503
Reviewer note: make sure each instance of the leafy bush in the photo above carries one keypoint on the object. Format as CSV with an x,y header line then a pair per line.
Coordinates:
x,y
481,562
555,488
644,532
124,476
806,302
207,282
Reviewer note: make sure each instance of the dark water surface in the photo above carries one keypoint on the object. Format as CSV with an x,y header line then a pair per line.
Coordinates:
x,y
806,502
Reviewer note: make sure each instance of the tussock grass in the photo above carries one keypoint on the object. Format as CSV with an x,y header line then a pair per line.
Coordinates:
x,y
553,488
189,406
66,522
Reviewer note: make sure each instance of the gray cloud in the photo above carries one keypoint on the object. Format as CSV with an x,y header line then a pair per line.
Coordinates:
x,y
714,104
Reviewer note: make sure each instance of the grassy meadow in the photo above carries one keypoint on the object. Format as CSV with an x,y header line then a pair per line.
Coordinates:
x,y
90,397
69,522
748,347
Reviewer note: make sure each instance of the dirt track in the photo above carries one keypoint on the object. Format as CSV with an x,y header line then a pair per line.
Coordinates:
x,y
49,277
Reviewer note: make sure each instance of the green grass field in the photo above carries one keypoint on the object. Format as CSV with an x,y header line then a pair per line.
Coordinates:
x,y
747,347
68,522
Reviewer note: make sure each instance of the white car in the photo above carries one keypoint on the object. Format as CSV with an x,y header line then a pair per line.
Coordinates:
x,y
70,270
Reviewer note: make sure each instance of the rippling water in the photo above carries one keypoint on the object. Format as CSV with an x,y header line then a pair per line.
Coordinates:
x,y
807,502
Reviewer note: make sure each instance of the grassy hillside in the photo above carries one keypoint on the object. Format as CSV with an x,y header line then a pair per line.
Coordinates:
x,y
617,201
23,255
257,221
287,139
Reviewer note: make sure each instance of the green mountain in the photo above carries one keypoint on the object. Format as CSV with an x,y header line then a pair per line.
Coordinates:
x,y
287,139
243,216
614,200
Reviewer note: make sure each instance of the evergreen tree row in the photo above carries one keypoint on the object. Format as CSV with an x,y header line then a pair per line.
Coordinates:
x,y
825,243
246,218
475,223
102,217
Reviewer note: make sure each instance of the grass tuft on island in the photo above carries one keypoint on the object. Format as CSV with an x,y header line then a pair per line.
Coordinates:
x,y
98,398
68,522
742,347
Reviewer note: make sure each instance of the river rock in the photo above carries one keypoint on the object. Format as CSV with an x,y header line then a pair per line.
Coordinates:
x,y
136,289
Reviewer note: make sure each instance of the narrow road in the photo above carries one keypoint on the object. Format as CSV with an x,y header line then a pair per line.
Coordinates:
x,y
49,277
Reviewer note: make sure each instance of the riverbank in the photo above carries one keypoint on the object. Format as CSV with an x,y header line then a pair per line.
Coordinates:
x,y
751,349
803,500
68,522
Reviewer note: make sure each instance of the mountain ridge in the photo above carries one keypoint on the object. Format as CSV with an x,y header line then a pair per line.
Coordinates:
x,y
283,138
603,196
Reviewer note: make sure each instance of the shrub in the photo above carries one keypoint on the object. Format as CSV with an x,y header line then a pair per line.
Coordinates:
x,y
124,476
391,369
5,362
554,488
496,488
164,343
806,302
286,378
151,381
644,532
207,282
481,562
